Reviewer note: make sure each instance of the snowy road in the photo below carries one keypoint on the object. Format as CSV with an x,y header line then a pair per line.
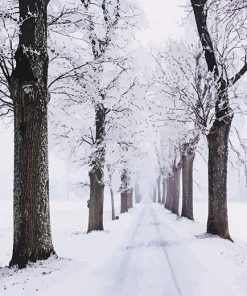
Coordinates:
x,y
145,267
154,260
148,252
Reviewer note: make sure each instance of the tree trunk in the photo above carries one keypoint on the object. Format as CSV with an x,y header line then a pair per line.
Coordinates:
x,y
130,198
187,180
168,200
124,202
113,215
219,134
96,201
176,190
32,231
96,174
217,178
173,190
128,201
154,195
158,188
126,193
137,193
164,189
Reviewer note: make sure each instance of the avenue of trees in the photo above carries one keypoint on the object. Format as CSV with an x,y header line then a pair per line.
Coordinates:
x,y
78,67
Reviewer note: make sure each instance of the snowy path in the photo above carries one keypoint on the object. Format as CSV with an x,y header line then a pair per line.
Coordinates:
x,y
153,260
148,252
144,267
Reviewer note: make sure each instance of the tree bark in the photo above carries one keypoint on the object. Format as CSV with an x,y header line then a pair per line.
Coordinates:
x,y
173,190
158,189
217,179
32,231
164,189
130,198
126,191
113,215
124,202
96,174
187,180
169,189
176,190
154,195
218,136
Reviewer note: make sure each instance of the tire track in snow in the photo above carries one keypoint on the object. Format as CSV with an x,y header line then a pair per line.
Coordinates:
x,y
126,260
166,253
132,273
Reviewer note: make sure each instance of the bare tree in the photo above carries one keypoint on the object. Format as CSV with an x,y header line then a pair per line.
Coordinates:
x,y
218,136
29,93
188,156
111,170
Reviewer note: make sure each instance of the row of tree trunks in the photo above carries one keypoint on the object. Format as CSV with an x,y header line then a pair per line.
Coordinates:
x,y
32,231
188,157
173,190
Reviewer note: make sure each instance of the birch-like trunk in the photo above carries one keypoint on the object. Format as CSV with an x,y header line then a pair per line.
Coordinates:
x,y
113,215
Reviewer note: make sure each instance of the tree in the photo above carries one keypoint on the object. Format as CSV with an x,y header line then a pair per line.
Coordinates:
x,y
164,188
102,19
218,136
178,78
158,189
137,192
111,170
124,189
188,156
29,93
173,188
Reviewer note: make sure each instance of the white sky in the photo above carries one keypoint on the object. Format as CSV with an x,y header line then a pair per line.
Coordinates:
x,y
164,19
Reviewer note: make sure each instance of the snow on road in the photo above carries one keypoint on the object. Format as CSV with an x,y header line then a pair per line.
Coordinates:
x,y
147,252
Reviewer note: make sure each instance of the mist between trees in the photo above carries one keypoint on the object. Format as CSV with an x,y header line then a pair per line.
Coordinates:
x,y
115,107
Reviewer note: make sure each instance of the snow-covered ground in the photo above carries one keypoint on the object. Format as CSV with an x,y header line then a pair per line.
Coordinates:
x,y
147,252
